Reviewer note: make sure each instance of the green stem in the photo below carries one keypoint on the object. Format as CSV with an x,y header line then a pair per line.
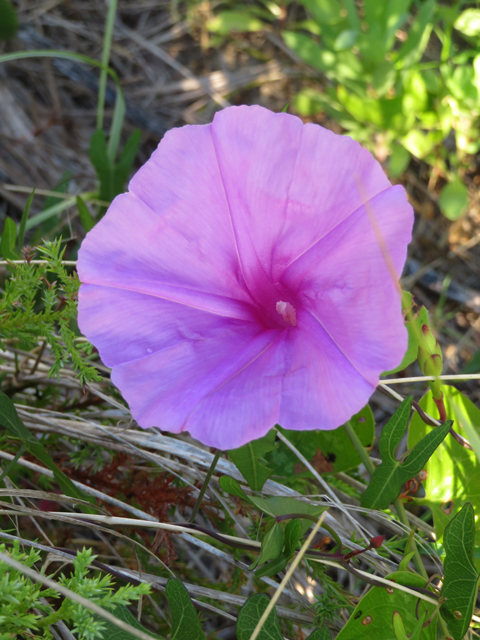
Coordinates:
x,y
359,448
400,509
402,516
205,485
107,43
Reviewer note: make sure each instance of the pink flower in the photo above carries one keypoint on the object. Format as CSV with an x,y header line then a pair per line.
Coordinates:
x,y
239,283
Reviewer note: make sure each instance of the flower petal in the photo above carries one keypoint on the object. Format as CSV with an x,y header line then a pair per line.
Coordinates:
x,y
287,184
321,389
223,389
345,282
127,325
134,248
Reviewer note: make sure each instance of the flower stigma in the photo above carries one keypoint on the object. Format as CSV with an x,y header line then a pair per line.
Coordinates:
x,y
287,311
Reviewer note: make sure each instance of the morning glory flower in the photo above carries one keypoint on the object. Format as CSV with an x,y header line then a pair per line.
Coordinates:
x,y
245,279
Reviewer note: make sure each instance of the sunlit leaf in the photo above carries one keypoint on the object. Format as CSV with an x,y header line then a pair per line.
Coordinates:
x,y
226,22
373,616
387,480
468,23
453,199
453,473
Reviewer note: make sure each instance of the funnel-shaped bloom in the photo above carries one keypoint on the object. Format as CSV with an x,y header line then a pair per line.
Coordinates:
x,y
246,279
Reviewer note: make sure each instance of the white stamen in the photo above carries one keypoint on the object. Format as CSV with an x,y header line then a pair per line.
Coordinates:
x,y
287,312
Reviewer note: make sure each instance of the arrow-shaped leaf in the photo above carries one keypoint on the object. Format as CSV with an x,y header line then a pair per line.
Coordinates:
x,y
460,584
388,478
185,624
250,614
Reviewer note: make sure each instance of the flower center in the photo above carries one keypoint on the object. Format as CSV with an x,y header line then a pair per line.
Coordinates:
x,y
287,311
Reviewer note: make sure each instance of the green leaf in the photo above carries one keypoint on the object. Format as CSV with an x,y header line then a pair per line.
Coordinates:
x,y
387,480
345,40
250,614
127,158
7,243
468,23
231,486
9,419
328,451
84,215
283,506
338,66
460,583
398,163
246,459
23,222
383,77
292,534
399,628
112,632
8,21
102,164
418,143
418,36
272,546
185,624
271,568
320,634
226,22
414,328
373,616
453,199
324,11
453,474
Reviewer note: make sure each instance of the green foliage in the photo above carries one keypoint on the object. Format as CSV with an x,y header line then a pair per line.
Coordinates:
x,y
460,584
249,616
272,545
20,596
84,215
112,632
10,420
380,86
453,199
414,328
386,483
9,236
373,617
328,451
453,473
185,622
247,460
112,176
39,302
8,20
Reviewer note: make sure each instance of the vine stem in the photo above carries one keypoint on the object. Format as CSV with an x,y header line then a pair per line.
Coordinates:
x,y
205,485
359,448
400,509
